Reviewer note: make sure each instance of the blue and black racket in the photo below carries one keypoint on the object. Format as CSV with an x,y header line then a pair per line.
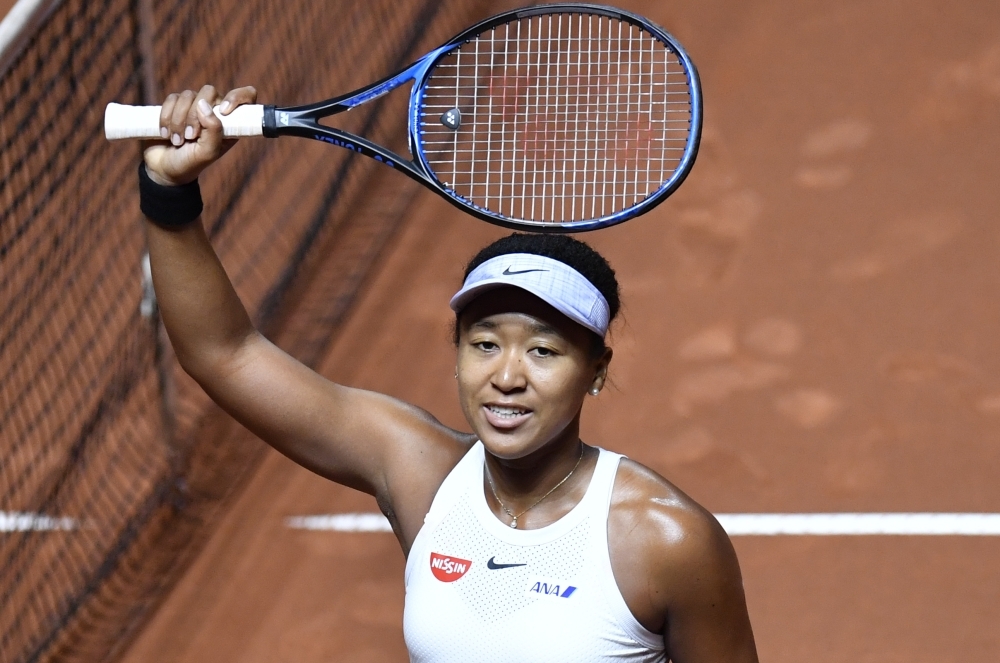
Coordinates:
x,y
553,118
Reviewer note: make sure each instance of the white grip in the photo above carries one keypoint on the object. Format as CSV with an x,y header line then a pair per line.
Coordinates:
x,y
121,121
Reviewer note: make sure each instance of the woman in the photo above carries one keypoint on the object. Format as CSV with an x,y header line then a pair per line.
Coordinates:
x,y
522,542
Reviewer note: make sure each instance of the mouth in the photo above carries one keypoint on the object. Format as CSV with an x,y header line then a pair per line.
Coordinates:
x,y
505,416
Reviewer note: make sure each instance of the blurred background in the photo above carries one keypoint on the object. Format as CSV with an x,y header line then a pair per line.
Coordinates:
x,y
810,324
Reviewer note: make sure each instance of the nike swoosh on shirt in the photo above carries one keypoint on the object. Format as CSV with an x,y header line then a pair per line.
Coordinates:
x,y
493,565
507,271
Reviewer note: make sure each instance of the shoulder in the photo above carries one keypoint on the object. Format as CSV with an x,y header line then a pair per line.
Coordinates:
x,y
660,512
427,451
666,550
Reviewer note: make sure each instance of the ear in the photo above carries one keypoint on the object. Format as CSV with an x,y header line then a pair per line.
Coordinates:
x,y
601,374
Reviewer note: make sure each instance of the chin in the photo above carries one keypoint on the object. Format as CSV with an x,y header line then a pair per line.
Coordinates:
x,y
508,446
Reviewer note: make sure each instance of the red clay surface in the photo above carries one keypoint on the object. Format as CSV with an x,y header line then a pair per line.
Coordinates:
x,y
811,325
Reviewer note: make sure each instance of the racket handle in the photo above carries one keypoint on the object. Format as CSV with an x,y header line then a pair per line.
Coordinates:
x,y
121,121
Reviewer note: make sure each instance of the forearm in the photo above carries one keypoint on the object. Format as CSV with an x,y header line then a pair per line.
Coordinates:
x,y
201,311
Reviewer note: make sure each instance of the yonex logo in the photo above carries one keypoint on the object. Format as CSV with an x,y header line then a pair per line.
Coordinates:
x,y
452,119
283,118
340,143
448,569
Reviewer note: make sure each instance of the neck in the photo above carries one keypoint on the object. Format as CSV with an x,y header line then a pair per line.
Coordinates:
x,y
521,481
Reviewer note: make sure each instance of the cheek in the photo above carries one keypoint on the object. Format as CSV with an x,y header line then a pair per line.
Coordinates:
x,y
565,386
465,388
469,379
465,399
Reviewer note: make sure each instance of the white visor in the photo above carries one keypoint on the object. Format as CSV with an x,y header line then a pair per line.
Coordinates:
x,y
554,282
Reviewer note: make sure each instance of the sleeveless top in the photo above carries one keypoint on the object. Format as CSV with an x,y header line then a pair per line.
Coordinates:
x,y
478,591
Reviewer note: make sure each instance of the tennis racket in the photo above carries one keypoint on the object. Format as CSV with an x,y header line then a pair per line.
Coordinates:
x,y
553,118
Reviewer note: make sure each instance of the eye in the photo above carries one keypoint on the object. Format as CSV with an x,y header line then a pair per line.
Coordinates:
x,y
543,352
485,346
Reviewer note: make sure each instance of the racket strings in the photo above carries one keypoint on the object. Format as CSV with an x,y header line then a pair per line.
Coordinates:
x,y
564,117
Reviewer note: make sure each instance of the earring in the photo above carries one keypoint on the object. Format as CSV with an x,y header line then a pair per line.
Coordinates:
x,y
594,391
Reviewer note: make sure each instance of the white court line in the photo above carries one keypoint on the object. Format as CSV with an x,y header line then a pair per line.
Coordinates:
x,y
341,522
751,524
861,524
13,521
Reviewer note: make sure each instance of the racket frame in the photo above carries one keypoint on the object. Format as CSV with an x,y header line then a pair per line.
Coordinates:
x,y
303,121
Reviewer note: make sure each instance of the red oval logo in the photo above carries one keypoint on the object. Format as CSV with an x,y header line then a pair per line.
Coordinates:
x,y
448,569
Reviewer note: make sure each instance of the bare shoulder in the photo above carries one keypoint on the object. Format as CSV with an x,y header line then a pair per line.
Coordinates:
x,y
647,508
668,552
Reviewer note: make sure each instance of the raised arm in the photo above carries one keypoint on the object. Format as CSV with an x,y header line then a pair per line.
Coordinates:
x,y
361,439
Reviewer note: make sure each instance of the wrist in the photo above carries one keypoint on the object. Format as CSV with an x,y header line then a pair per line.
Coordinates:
x,y
168,205
160,179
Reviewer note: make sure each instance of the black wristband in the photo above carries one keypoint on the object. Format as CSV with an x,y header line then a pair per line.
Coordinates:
x,y
169,206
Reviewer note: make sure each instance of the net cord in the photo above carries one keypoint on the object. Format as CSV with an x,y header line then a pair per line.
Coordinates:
x,y
19,26
87,420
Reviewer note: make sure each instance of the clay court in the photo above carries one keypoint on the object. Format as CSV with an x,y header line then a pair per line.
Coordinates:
x,y
811,326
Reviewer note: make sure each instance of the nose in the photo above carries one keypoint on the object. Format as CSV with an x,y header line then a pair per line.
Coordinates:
x,y
509,375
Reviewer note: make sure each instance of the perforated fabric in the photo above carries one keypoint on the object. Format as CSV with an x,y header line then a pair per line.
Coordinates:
x,y
550,594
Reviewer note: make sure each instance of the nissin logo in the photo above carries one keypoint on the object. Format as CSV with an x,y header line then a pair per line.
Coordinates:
x,y
552,588
448,569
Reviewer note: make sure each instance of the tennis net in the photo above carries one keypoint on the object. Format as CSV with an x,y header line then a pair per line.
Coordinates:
x,y
114,464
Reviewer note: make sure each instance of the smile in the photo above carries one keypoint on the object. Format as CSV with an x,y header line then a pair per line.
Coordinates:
x,y
507,412
505,417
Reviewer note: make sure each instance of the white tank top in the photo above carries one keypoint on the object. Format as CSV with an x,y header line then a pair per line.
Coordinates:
x,y
478,591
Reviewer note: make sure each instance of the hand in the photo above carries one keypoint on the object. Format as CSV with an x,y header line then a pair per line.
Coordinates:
x,y
192,134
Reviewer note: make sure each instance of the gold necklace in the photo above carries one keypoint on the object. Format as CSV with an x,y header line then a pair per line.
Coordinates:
x,y
513,523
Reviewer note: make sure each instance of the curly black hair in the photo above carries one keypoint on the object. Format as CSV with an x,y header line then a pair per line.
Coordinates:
x,y
567,250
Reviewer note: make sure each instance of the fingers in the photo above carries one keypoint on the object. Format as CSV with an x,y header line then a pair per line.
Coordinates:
x,y
209,133
201,117
194,131
166,112
238,97
181,121
233,99
177,122
173,116
196,119
179,117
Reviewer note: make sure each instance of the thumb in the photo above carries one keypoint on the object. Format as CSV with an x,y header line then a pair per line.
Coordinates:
x,y
210,138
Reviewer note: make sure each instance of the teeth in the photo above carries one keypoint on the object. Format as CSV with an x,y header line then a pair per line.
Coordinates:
x,y
503,411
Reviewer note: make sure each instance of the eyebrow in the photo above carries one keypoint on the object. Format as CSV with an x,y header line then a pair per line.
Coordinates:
x,y
542,328
537,327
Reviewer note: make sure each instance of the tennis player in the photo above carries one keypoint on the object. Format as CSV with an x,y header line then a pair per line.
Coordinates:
x,y
522,542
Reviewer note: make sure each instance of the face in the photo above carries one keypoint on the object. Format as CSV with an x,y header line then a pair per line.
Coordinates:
x,y
524,370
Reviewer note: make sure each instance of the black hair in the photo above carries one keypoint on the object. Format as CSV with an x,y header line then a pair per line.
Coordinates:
x,y
567,250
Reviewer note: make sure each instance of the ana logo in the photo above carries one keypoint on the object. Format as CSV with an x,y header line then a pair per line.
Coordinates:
x,y
448,569
552,588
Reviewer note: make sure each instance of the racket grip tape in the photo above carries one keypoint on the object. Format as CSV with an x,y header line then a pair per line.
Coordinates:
x,y
122,121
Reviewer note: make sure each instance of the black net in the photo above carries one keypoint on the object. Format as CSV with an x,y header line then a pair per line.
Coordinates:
x,y
112,462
